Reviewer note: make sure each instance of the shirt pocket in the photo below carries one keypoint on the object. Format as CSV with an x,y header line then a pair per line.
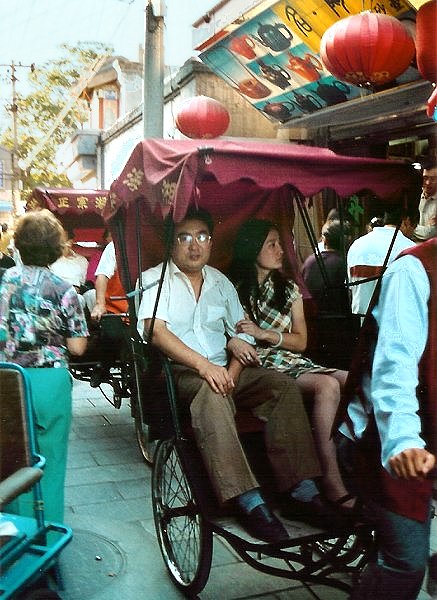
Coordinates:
x,y
216,317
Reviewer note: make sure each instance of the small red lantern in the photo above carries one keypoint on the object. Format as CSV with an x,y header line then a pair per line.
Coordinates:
x,y
367,49
202,117
426,34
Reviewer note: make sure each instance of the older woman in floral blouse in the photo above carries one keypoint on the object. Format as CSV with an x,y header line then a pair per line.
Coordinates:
x,y
41,321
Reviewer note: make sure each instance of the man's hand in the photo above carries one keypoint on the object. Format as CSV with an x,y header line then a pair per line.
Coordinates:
x,y
98,311
218,378
244,352
412,463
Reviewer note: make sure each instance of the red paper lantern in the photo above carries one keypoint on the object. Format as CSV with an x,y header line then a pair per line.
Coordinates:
x,y
202,117
426,34
367,49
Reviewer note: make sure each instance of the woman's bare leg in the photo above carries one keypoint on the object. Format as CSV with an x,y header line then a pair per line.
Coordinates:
x,y
325,390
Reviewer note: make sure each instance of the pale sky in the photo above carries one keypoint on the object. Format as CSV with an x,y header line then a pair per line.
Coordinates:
x,y
32,30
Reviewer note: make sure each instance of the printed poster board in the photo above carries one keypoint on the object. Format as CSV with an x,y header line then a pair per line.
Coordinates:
x,y
272,58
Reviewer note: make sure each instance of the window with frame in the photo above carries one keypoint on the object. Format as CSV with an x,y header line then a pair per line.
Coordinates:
x,y
108,107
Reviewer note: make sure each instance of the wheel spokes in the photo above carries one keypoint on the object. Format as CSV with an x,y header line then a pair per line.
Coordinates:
x,y
179,517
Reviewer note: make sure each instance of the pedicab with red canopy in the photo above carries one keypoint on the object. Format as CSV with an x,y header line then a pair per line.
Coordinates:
x,y
81,211
234,181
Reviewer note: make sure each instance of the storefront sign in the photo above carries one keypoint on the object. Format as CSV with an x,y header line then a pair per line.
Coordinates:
x,y
272,58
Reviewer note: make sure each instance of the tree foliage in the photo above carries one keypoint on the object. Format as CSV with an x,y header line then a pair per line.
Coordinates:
x,y
52,88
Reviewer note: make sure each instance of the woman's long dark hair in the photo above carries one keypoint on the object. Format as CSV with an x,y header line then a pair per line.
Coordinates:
x,y
248,244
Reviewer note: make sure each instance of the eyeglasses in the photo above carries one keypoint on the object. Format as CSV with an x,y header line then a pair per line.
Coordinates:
x,y
186,239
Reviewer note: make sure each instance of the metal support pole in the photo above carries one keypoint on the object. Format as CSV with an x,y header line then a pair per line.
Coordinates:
x,y
153,117
14,160
15,172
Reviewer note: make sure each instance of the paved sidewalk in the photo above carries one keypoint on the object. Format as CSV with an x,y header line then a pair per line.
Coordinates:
x,y
114,554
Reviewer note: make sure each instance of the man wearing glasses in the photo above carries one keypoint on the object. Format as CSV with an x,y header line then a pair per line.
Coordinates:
x,y
427,227
195,318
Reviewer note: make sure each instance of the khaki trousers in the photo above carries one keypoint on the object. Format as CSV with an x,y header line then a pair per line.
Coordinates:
x,y
274,398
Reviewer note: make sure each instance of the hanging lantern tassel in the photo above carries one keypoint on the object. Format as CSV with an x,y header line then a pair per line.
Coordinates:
x,y
202,117
431,105
426,35
368,49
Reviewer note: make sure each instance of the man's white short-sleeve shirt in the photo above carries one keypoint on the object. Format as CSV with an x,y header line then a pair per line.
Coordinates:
x,y
107,263
203,325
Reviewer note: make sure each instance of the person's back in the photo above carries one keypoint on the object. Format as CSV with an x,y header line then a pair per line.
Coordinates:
x,y
367,254
36,303
331,298
330,295
71,267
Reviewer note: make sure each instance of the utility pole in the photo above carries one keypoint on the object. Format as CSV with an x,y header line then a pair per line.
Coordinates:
x,y
14,110
153,99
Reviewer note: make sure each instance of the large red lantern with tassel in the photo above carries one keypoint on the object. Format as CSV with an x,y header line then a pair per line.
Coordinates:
x,y
369,49
202,117
426,36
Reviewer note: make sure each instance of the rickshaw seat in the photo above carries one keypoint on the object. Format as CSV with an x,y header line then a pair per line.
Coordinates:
x,y
17,461
20,466
18,483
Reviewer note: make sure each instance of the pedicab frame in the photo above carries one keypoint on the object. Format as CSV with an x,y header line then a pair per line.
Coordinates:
x,y
234,180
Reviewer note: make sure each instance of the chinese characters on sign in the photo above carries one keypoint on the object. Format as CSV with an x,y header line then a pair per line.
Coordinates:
x,y
63,203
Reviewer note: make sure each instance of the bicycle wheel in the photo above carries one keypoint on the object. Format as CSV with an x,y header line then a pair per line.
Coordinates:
x,y
184,537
